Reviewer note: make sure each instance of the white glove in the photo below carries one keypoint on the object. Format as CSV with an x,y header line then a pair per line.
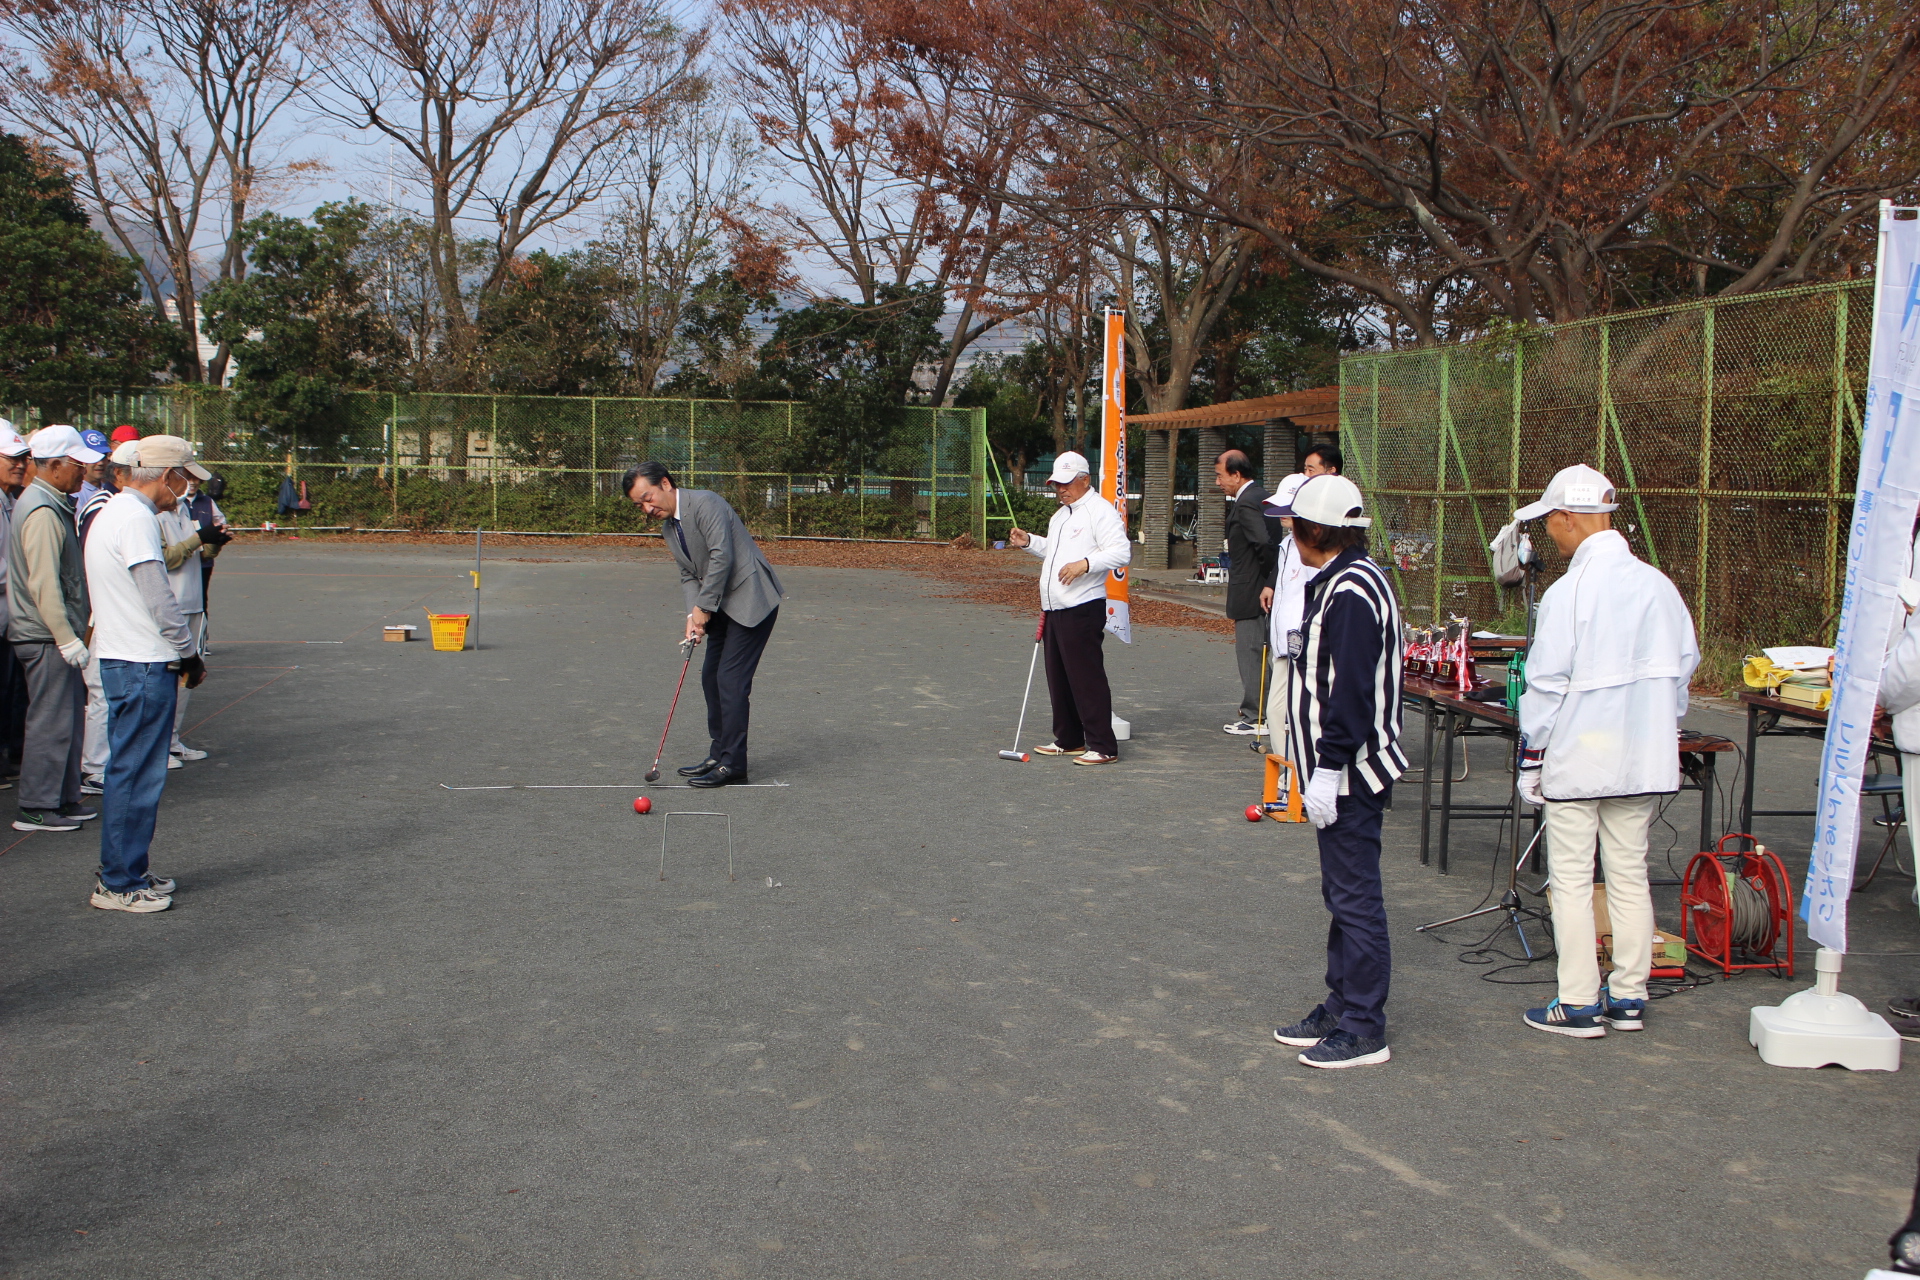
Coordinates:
x,y
75,652
1323,797
1529,787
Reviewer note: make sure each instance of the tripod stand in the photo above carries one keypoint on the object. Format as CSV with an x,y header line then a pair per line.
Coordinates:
x,y
1509,901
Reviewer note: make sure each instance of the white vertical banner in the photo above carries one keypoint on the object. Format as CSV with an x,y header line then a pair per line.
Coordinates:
x,y
1113,459
1879,541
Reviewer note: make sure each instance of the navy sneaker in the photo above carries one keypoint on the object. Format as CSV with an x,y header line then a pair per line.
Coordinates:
x,y
1345,1049
1622,1015
1310,1030
1564,1020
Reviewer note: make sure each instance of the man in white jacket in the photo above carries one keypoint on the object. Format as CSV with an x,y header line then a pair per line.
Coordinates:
x,y
1085,540
1286,603
1900,698
1607,675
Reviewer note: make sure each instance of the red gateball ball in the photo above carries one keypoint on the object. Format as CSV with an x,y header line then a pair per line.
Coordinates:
x,y
1255,813
642,805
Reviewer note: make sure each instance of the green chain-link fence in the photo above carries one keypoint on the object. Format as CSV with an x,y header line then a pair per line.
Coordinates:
x,y
550,463
1731,427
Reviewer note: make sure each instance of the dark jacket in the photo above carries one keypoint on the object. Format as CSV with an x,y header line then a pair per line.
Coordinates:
x,y
1252,557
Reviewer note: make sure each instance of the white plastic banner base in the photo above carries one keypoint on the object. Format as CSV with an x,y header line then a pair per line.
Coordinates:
x,y
1820,1027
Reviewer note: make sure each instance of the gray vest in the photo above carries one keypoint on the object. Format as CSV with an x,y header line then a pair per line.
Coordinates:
x,y
26,626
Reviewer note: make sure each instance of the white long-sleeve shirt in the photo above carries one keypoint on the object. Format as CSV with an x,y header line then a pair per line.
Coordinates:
x,y
1289,597
1613,651
1089,530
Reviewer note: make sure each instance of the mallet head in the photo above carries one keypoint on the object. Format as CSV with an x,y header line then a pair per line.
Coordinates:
x,y
653,775
1019,756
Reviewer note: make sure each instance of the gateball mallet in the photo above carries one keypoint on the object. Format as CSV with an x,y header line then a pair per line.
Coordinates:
x,y
1017,754
686,647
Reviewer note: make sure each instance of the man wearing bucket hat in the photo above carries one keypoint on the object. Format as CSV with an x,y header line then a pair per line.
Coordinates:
x,y
47,601
1085,540
1607,674
1345,727
146,653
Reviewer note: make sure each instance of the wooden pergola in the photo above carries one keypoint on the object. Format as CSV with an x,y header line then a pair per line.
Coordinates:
x,y
1285,418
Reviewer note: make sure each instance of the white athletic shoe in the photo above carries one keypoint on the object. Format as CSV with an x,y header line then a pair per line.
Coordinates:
x,y
1241,728
184,752
1094,757
173,762
139,901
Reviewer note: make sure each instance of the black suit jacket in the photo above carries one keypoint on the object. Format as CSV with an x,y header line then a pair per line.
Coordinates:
x,y
1252,555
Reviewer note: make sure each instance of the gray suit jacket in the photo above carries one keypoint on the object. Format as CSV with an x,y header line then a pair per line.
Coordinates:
x,y
721,568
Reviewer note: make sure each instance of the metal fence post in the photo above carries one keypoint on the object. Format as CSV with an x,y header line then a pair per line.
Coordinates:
x,y
1440,489
933,475
979,440
393,456
1603,397
1842,399
493,463
1706,463
593,462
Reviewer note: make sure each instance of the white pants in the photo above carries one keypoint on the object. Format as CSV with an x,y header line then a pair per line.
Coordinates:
x,y
93,749
197,628
1620,828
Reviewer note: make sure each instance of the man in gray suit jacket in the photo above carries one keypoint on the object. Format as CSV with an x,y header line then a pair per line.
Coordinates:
x,y
733,598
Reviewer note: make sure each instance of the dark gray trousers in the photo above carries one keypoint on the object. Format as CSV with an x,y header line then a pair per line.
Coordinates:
x,y
1249,642
56,728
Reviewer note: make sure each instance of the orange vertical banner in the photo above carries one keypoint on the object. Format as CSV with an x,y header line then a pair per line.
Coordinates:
x,y
1113,459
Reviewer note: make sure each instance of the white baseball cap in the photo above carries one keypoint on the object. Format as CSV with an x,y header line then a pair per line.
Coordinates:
x,y
1280,501
1577,488
11,443
1067,466
61,441
1332,501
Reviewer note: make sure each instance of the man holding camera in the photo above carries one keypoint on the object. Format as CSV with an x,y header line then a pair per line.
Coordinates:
x,y
1607,676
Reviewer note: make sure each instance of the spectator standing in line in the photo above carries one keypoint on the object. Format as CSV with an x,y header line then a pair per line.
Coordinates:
x,y
1250,566
1322,460
1608,671
207,515
92,500
733,599
13,688
146,654
1345,727
1285,602
97,474
185,540
47,601
1085,541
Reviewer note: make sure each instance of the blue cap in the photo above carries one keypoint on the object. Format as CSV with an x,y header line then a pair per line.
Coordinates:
x,y
96,441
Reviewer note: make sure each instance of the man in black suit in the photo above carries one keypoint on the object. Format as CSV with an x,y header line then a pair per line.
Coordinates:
x,y
1251,560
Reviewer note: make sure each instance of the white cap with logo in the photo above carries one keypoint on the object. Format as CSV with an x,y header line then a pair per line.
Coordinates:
x,y
1332,501
1067,466
61,441
1578,488
11,443
1280,501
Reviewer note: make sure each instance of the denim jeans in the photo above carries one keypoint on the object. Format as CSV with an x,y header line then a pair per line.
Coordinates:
x,y
139,725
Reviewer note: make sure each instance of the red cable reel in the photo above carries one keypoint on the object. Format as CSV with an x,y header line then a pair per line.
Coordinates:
x,y
1736,908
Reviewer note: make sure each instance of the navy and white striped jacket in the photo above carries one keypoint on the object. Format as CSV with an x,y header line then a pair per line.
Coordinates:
x,y
1344,690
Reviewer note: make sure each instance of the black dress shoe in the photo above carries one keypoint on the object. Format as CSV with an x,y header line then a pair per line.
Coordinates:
x,y
717,777
695,770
